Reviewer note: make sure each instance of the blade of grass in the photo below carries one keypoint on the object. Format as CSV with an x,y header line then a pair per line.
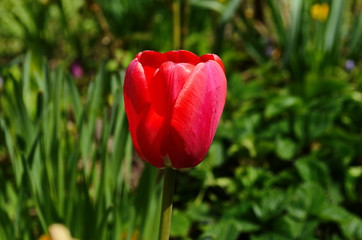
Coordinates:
x,y
75,98
333,33
278,22
296,13
355,45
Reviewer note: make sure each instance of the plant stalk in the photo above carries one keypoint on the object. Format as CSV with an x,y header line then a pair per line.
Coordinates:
x,y
166,210
176,22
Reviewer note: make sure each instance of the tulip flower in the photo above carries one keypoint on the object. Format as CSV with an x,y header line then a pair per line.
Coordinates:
x,y
173,103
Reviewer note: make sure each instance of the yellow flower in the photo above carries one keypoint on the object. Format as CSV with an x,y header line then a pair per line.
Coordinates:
x,y
110,99
275,54
319,12
57,232
249,12
135,235
44,237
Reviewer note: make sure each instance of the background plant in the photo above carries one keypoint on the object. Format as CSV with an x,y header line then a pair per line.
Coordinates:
x,y
286,161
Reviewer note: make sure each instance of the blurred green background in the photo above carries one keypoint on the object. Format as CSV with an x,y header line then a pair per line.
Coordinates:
x,y
286,162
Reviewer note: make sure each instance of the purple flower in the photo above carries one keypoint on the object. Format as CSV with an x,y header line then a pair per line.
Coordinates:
x,y
269,47
1,84
349,65
269,51
76,69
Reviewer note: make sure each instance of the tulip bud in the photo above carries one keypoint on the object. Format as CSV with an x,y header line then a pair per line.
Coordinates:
x,y
173,103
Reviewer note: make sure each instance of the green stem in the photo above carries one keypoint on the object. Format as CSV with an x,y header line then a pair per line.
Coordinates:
x,y
185,17
176,22
166,211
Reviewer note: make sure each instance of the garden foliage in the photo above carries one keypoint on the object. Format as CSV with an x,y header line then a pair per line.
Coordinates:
x,y
286,162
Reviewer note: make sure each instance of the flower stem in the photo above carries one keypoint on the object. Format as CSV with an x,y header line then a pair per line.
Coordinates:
x,y
176,22
166,210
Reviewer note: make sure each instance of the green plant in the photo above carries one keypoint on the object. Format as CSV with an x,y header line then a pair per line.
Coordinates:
x,y
68,158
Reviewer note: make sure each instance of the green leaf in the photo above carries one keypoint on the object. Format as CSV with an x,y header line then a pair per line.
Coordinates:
x,y
312,170
278,21
307,201
280,104
295,28
180,224
270,236
74,97
271,204
356,36
287,226
225,229
334,26
229,10
214,158
209,4
285,148
350,224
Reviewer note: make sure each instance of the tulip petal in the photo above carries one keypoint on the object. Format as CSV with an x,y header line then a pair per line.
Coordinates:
x,y
196,114
151,58
182,56
216,58
173,103
167,84
150,134
150,61
136,97
135,86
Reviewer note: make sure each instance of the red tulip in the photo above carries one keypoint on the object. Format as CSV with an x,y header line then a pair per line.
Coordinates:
x,y
173,103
